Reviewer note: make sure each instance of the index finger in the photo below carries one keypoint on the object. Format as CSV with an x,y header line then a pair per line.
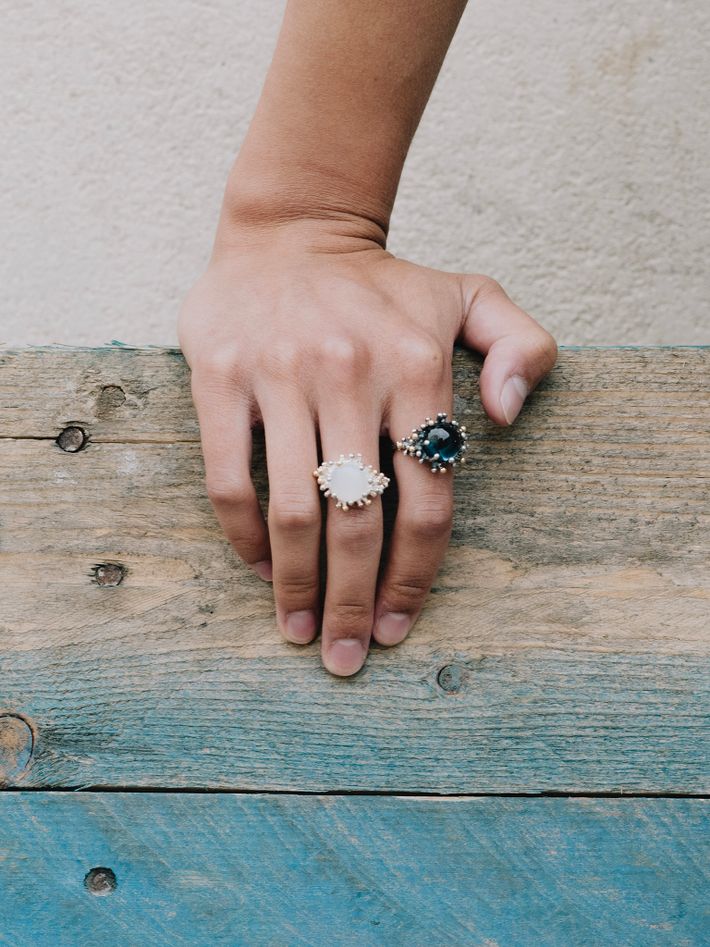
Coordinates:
x,y
225,431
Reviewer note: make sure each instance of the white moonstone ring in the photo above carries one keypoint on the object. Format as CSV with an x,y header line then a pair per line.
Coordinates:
x,y
349,481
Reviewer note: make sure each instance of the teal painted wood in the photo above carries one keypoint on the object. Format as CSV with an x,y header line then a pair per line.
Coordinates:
x,y
531,721
361,870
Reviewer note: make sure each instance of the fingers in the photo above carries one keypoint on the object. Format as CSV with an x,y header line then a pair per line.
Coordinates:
x,y
519,352
353,538
225,431
422,527
294,515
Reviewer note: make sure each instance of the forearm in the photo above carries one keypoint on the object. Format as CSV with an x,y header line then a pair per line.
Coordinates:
x,y
343,97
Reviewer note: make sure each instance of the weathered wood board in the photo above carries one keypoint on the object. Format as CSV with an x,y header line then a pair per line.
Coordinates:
x,y
221,869
564,648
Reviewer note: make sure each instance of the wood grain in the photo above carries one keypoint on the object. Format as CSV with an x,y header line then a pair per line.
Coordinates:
x,y
564,646
359,870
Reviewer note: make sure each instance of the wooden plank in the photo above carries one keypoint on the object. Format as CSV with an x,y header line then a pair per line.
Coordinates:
x,y
564,646
123,393
116,393
361,870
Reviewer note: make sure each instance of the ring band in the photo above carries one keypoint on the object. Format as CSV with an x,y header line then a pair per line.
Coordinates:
x,y
350,481
440,442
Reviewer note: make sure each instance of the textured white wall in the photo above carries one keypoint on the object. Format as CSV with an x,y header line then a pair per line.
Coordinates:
x,y
565,151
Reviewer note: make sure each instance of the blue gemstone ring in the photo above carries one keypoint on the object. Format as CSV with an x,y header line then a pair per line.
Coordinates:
x,y
441,443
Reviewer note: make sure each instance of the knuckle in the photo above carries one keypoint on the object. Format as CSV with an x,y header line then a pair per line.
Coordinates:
x,y
359,530
349,616
421,355
224,490
289,514
295,587
220,365
548,349
342,358
243,544
432,518
488,286
541,350
406,588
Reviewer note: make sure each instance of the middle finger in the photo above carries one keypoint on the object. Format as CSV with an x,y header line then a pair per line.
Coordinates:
x,y
353,537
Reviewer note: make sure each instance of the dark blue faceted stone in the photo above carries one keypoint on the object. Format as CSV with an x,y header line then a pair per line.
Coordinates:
x,y
444,440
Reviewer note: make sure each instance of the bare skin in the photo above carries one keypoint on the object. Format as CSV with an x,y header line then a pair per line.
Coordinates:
x,y
304,323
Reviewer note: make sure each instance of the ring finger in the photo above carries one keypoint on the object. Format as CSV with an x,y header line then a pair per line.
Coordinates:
x,y
422,526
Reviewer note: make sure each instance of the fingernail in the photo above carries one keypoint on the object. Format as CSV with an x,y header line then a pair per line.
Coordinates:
x,y
345,656
392,627
514,393
264,569
300,626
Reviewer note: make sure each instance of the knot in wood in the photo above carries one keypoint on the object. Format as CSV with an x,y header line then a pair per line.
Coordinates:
x,y
110,398
451,678
16,746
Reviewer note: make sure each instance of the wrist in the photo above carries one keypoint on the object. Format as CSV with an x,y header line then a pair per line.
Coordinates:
x,y
312,201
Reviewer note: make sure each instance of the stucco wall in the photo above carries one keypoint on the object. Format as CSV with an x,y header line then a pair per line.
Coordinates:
x,y
565,151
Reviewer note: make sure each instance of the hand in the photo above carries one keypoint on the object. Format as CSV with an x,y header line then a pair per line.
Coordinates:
x,y
312,325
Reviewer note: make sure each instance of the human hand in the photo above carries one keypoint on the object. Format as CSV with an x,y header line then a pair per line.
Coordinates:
x,y
310,326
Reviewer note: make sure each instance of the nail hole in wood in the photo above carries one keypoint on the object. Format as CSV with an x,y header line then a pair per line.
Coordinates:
x,y
100,881
451,678
109,574
72,439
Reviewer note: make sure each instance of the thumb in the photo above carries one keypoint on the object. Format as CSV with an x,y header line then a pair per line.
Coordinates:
x,y
518,351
